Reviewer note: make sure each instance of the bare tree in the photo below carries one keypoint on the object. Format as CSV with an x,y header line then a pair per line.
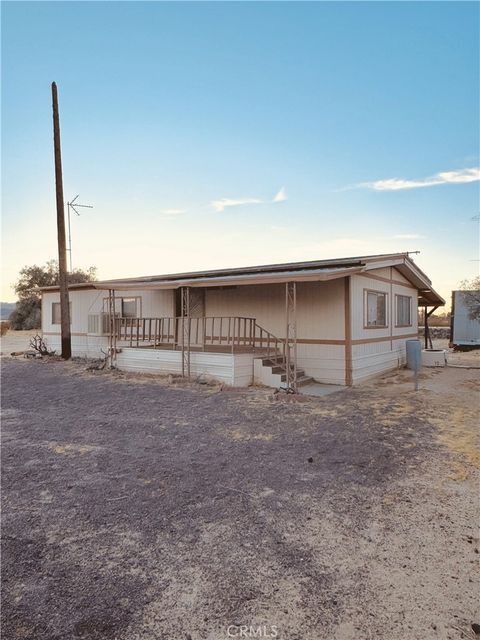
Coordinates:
x,y
471,296
37,343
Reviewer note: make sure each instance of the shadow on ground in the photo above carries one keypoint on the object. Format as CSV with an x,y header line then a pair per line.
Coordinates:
x,y
134,509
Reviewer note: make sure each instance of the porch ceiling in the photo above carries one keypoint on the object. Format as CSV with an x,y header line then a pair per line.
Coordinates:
x,y
430,298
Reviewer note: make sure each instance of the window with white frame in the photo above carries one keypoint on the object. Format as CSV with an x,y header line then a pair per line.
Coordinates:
x,y
130,307
56,313
404,311
375,309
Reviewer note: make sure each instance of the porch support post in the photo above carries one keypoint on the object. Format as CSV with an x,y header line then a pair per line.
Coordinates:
x,y
348,334
185,311
425,329
112,333
428,339
291,335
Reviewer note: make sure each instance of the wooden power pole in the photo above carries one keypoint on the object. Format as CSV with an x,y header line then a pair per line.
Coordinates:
x,y
62,245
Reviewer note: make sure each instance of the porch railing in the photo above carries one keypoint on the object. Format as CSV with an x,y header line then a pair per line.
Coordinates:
x,y
273,347
231,331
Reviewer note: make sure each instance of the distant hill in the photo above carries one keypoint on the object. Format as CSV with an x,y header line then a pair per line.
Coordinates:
x,y
6,309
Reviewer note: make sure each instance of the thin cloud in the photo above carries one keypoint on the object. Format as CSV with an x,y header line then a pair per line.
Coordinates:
x,y
223,203
281,196
173,212
462,176
408,236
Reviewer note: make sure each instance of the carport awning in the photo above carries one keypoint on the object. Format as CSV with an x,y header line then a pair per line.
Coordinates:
x,y
310,275
429,298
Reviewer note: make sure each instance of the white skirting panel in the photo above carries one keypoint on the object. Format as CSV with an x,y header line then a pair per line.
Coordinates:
x,y
232,369
82,346
243,369
323,362
372,359
164,361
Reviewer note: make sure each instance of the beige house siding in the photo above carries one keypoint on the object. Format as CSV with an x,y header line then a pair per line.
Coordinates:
x,y
377,350
384,272
86,302
319,305
81,302
396,275
320,319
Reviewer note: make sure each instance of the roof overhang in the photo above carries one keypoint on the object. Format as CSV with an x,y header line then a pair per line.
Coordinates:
x,y
312,271
429,298
274,277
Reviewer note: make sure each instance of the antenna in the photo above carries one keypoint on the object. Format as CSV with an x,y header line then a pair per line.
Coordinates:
x,y
73,204
477,220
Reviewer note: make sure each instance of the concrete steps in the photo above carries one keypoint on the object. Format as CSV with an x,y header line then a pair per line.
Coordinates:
x,y
272,372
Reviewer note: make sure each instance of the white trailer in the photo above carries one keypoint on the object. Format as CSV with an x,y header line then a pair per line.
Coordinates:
x,y
465,330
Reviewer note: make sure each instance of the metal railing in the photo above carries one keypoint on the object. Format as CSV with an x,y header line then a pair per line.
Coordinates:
x,y
203,332
233,332
273,346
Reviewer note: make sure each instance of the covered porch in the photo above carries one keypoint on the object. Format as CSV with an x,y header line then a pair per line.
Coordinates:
x,y
262,329
228,348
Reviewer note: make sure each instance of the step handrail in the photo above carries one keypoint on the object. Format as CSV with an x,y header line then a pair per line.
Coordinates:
x,y
275,346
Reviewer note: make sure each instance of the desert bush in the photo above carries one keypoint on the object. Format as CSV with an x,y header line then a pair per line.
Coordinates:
x,y
26,316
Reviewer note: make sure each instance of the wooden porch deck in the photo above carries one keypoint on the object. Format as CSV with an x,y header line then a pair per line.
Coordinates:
x,y
207,334
210,348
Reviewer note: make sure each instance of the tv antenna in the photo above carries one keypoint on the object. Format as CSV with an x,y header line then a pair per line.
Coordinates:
x,y
73,204
477,220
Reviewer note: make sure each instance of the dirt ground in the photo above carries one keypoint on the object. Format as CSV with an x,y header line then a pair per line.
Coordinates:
x,y
16,341
139,509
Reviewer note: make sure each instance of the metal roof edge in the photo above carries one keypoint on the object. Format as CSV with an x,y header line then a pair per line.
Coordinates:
x,y
293,266
239,279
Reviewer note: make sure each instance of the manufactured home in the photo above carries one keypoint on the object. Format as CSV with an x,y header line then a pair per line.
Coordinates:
x,y
331,321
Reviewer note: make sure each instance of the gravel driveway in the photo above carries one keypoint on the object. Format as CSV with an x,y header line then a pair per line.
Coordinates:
x,y
138,509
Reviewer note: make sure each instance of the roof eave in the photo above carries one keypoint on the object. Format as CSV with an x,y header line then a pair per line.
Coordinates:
x,y
321,275
288,266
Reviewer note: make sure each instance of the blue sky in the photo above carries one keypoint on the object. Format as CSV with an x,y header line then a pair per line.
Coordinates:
x,y
227,134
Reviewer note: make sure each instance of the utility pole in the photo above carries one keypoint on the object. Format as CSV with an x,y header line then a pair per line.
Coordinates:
x,y
62,248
